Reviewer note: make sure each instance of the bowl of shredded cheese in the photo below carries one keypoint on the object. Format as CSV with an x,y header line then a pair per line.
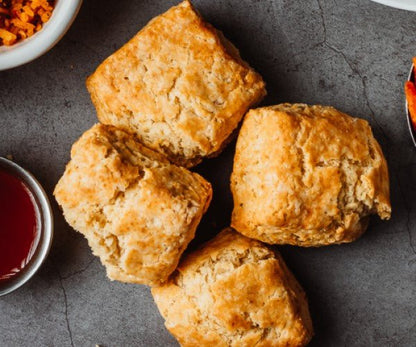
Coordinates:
x,y
29,28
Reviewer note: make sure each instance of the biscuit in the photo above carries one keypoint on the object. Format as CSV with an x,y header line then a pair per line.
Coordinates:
x,y
179,85
234,291
307,176
137,211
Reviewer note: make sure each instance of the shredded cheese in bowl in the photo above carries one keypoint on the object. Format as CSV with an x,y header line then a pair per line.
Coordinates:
x,y
20,19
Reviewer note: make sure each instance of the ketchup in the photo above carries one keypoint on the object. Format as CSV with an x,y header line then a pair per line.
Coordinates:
x,y
19,226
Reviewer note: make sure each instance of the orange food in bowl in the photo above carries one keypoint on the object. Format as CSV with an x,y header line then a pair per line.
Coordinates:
x,y
410,92
20,19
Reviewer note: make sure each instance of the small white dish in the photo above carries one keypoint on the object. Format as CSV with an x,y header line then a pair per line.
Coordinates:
x,y
412,131
409,5
33,47
45,226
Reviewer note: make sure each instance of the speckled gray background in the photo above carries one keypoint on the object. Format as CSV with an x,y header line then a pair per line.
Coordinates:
x,y
352,54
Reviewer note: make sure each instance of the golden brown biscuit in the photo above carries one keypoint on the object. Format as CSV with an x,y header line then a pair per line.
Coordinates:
x,y
307,176
138,211
234,291
179,85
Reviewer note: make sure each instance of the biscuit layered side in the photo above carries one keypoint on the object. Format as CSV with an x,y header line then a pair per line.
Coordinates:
x,y
178,85
138,211
307,175
234,291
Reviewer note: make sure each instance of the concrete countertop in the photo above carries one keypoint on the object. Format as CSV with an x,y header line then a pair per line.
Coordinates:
x,y
354,55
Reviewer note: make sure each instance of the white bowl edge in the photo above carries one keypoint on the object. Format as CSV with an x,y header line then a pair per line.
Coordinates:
x,y
409,5
31,48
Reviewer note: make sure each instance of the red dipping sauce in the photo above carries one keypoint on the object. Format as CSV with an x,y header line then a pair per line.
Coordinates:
x,y
19,225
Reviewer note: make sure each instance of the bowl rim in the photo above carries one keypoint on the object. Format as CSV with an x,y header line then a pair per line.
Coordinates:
x,y
33,47
412,131
47,226
408,5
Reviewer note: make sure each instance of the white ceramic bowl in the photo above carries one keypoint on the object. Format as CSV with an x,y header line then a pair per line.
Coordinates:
x,y
412,131
33,47
409,5
45,226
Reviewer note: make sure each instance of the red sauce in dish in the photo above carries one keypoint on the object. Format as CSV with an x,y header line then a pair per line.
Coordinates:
x,y
19,234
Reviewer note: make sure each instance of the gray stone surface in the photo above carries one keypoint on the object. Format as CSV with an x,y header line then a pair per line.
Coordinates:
x,y
354,55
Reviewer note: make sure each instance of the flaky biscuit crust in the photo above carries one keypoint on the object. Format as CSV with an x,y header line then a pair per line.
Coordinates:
x,y
179,85
234,291
307,175
137,211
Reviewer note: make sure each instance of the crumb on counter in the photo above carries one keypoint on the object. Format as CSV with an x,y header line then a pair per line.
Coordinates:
x,y
20,19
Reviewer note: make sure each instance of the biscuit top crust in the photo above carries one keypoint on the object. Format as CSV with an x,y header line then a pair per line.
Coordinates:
x,y
179,85
234,291
309,168
138,211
